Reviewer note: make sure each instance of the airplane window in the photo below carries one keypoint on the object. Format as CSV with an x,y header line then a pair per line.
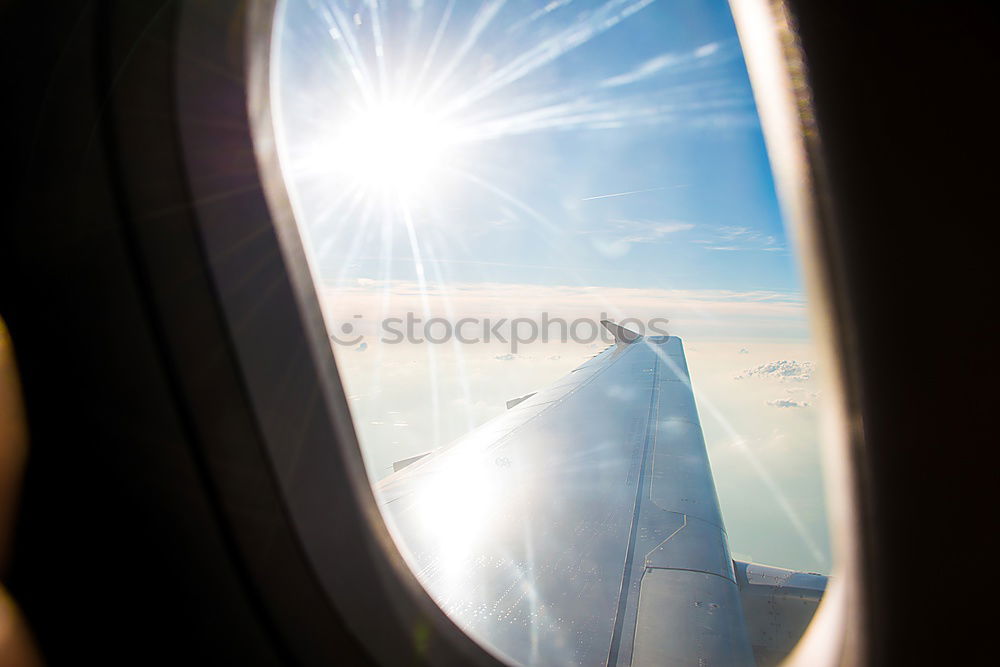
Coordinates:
x,y
568,317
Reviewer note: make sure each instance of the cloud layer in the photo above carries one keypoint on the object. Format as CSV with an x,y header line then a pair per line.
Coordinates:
x,y
705,314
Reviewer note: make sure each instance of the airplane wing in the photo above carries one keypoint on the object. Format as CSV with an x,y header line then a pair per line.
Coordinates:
x,y
582,525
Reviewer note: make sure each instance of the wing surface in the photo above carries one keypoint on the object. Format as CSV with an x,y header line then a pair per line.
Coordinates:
x,y
778,604
582,525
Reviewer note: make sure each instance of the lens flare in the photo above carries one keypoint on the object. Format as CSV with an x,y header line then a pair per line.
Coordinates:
x,y
394,149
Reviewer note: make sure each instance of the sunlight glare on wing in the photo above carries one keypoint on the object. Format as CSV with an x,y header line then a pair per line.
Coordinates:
x,y
456,510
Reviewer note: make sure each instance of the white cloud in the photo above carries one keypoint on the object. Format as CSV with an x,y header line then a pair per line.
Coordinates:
x,y
788,403
665,61
730,238
537,14
706,50
783,370
650,231
731,233
637,231
643,71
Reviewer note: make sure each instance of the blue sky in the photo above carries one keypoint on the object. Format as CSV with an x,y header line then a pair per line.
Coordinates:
x,y
657,104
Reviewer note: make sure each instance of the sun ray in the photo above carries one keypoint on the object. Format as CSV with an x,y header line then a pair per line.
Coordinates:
x,y
604,18
487,12
343,37
379,44
432,373
458,349
740,444
433,48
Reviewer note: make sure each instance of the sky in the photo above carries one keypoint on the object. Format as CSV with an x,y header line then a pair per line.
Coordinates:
x,y
580,159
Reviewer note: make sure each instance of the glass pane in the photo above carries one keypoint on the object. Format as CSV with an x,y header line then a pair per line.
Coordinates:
x,y
478,185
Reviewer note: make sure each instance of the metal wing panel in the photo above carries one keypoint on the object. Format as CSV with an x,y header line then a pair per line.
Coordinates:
x,y
681,535
533,530
778,604
682,480
703,614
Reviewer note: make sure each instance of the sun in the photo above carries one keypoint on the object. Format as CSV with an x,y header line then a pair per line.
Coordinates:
x,y
394,148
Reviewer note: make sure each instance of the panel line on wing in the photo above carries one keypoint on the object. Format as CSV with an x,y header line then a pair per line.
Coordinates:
x,y
623,595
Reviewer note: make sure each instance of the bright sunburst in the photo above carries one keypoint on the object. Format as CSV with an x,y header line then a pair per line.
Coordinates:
x,y
413,91
394,149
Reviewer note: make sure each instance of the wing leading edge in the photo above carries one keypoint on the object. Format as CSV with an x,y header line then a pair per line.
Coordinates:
x,y
582,525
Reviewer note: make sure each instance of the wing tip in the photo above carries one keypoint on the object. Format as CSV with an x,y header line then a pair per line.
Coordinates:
x,y
622,335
